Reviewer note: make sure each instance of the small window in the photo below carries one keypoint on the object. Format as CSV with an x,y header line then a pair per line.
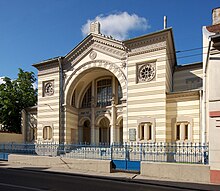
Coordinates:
x,y
149,132
47,133
186,132
182,131
145,131
142,132
178,132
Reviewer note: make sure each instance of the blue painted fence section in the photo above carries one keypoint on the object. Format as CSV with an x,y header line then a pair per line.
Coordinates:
x,y
4,156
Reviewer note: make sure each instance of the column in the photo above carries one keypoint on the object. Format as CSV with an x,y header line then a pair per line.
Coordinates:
x,y
145,131
113,123
117,133
182,131
93,137
113,114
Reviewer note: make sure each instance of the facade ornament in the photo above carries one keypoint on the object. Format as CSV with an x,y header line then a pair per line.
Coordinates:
x,y
146,72
93,55
123,65
48,88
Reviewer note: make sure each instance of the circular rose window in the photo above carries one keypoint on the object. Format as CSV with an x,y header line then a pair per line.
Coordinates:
x,y
49,89
147,72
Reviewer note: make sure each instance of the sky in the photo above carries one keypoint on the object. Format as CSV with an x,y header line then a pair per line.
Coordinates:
x,y
35,30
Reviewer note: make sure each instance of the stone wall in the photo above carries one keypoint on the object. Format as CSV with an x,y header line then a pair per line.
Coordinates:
x,y
103,166
11,137
176,172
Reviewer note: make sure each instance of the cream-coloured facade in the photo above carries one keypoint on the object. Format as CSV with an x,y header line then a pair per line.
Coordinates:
x,y
106,91
211,91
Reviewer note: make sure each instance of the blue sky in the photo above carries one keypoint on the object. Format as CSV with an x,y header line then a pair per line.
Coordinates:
x,y
35,30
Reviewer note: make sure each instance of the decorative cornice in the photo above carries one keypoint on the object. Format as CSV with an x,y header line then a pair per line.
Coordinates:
x,y
182,94
79,50
118,53
142,48
146,41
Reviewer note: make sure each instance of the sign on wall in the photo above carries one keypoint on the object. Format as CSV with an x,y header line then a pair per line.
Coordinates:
x,y
132,134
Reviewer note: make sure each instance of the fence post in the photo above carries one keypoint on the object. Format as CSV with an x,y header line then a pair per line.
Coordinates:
x,y
111,146
205,156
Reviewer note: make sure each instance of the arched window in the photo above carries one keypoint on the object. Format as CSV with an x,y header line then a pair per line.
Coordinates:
x,y
119,93
47,133
104,92
86,103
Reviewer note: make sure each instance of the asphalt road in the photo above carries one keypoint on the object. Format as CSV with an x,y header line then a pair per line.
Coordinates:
x,y
26,180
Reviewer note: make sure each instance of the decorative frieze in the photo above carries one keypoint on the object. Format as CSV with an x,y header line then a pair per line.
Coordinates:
x,y
103,112
84,113
148,48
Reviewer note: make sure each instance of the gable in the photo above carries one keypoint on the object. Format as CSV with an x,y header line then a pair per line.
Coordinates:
x,y
98,43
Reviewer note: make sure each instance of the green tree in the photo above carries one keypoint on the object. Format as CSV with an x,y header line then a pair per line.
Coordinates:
x,y
16,95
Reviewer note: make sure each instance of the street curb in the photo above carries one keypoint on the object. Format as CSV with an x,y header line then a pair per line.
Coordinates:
x,y
169,184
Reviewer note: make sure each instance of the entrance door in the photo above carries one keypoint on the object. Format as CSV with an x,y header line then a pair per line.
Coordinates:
x,y
104,131
86,132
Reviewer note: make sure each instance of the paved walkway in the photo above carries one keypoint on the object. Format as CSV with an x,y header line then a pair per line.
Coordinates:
x,y
118,176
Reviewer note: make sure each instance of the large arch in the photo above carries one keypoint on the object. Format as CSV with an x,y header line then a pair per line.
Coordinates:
x,y
87,67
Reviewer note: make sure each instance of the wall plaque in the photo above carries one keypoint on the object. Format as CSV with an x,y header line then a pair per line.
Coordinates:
x,y
132,134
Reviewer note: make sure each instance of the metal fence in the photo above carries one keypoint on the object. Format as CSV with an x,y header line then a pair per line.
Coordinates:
x,y
194,153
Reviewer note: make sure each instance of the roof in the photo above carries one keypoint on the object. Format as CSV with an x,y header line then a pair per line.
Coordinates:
x,y
147,35
46,61
156,33
119,43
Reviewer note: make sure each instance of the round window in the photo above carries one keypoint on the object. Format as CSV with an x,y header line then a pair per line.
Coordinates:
x,y
49,89
147,72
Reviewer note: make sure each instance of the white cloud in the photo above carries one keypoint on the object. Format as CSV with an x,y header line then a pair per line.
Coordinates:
x,y
118,25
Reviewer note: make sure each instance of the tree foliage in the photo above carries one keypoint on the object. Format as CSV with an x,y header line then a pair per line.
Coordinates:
x,y
16,95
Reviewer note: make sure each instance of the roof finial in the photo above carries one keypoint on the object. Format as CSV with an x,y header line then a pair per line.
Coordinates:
x,y
95,27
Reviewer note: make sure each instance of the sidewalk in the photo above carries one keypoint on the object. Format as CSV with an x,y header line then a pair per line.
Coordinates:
x,y
115,176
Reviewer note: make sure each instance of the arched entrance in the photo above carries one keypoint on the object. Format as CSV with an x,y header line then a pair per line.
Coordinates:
x,y
86,132
93,96
104,131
